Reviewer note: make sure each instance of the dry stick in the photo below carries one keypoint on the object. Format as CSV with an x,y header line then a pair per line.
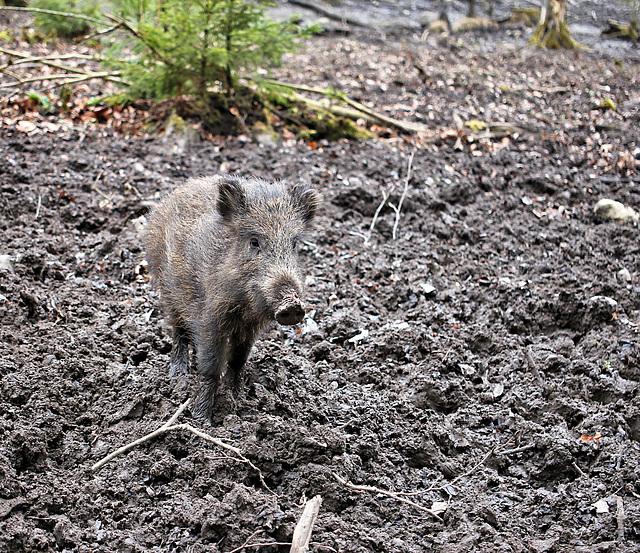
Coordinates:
x,y
403,125
518,449
534,369
100,33
237,549
330,14
263,544
620,518
138,34
39,206
393,495
495,450
580,471
404,195
484,459
166,427
44,60
385,196
86,77
177,413
164,430
302,533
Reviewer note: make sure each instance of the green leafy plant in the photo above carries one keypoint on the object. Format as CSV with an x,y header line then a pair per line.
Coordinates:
x,y
42,100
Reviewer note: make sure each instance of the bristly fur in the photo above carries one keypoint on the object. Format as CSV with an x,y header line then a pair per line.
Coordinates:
x,y
221,251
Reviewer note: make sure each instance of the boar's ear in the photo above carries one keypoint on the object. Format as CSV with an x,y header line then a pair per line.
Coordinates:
x,y
307,200
232,199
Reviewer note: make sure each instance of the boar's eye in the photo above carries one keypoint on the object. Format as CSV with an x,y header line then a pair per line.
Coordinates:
x,y
255,244
294,244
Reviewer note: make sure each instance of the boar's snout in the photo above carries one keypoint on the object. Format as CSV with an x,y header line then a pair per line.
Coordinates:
x,y
290,311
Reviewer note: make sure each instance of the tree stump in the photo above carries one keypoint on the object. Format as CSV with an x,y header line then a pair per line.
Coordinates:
x,y
552,31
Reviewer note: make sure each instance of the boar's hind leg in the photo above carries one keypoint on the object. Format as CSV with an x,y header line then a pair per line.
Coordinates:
x,y
179,352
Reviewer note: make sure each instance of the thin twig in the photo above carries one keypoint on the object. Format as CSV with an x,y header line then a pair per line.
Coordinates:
x,y
101,33
482,462
39,206
443,487
86,77
404,195
580,471
259,531
393,495
263,544
138,34
385,197
168,427
518,449
177,413
46,60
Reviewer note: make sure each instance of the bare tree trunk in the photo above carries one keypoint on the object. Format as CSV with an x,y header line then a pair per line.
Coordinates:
x,y
552,31
472,8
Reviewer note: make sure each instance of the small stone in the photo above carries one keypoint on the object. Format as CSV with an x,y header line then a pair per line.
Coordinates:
x,y
616,211
601,506
6,263
604,300
428,289
624,276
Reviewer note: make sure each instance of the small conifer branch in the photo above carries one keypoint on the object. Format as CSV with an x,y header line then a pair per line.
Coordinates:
x,y
139,35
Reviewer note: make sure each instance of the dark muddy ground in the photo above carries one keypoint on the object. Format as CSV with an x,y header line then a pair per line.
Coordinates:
x,y
485,360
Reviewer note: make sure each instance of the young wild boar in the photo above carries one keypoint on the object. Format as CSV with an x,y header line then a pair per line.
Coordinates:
x,y
221,251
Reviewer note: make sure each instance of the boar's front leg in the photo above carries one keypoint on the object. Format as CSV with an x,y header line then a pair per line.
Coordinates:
x,y
239,354
212,354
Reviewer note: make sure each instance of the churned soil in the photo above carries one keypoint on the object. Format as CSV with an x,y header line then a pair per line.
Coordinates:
x,y
471,344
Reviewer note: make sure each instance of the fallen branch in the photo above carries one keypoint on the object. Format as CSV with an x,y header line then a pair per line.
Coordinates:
x,y
27,58
45,60
63,77
361,109
334,109
393,495
620,29
321,10
302,533
169,427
